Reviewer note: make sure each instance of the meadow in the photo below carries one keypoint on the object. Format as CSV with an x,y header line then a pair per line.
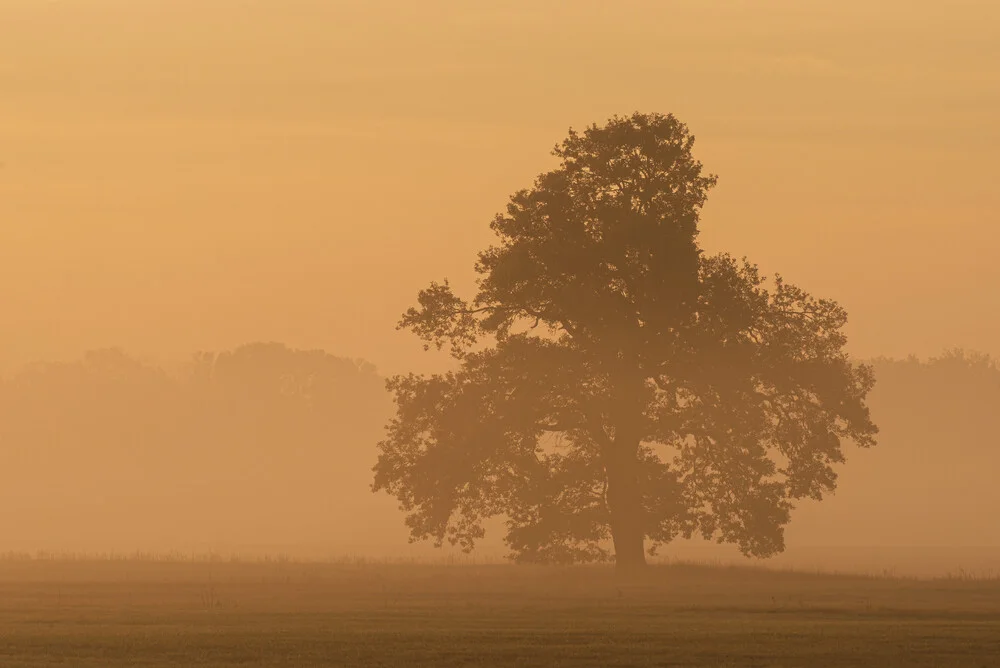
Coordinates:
x,y
278,612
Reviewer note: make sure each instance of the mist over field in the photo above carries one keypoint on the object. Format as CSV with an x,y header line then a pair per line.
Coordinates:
x,y
267,450
192,176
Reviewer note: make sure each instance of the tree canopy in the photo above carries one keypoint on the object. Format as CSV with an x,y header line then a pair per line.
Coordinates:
x,y
617,386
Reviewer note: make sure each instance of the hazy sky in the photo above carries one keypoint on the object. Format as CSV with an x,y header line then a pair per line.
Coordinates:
x,y
179,175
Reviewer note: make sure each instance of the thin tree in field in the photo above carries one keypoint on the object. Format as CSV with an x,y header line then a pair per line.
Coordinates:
x,y
617,386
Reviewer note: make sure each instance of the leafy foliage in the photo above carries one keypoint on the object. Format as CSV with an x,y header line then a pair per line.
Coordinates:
x,y
603,347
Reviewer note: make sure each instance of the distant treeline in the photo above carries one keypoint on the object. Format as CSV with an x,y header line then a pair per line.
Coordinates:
x,y
259,448
933,479
269,448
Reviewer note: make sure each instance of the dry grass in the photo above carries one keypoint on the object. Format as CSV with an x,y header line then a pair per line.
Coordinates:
x,y
191,611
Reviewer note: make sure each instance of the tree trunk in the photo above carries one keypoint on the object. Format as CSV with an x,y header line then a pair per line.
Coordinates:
x,y
625,506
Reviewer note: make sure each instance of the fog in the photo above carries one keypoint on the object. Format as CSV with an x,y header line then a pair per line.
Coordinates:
x,y
267,450
185,176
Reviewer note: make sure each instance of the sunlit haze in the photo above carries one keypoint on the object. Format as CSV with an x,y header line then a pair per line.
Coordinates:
x,y
543,333
178,176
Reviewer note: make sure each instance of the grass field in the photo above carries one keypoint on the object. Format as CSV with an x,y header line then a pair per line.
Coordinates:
x,y
150,613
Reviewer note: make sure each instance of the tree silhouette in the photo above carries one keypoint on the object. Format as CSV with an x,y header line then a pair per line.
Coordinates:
x,y
616,382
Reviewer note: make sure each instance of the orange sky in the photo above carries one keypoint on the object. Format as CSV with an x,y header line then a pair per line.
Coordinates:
x,y
179,175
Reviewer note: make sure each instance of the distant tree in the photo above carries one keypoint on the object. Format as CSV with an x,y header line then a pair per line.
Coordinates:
x,y
616,382
291,408
271,372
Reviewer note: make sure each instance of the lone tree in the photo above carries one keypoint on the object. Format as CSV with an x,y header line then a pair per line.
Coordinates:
x,y
616,382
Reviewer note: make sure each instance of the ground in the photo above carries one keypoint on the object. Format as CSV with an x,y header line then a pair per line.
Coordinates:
x,y
145,612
